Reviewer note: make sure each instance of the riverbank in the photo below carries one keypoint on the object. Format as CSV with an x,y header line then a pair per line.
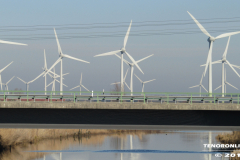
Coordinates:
x,y
14,141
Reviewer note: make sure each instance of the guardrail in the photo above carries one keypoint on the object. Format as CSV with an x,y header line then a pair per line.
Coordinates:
x,y
120,97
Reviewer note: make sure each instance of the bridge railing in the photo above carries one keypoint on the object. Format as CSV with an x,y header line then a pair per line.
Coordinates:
x,y
119,97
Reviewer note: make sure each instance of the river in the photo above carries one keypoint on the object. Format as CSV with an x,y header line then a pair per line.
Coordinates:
x,y
122,145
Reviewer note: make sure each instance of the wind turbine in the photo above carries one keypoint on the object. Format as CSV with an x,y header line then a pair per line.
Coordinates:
x,y
6,84
131,70
61,56
1,72
225,84
224,60
45,69
211,39
123,81
123,50
81,85
27,83
200,85
143,82
54,77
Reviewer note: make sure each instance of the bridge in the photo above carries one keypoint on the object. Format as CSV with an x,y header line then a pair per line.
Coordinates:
x,y
115,108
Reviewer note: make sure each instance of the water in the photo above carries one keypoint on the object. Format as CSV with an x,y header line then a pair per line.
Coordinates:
x,y
181,145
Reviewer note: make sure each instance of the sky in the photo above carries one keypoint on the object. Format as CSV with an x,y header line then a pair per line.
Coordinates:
x,y
88,28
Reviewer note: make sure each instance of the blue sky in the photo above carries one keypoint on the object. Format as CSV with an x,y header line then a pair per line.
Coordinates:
x,y
177,57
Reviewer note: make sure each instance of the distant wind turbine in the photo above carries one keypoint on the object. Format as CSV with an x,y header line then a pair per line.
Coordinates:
x,y
1,73
54,77
27,83
211,39
200,85
80,85
6,84
123,50
225,84
124,81
143,82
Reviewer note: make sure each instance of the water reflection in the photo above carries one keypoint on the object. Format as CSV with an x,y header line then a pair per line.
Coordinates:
x,y
121,146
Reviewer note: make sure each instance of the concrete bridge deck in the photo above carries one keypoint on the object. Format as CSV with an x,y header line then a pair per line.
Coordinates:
x,y
122,106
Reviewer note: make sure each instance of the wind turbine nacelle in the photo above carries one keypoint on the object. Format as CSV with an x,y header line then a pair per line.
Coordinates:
x,y
123,50
211,39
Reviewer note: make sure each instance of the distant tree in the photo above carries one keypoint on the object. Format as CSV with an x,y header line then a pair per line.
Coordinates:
x,y
17,89
116,88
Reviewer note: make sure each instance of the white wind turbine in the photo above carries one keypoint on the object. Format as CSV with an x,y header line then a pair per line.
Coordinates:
x,y
45,69
27,83
81,85
143,82
124,81
211,39
6,84
131,70
1,72
200,85
224,60
123,50
61,56
225,84
54,77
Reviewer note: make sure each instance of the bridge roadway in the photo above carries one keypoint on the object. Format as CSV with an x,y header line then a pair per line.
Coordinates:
x,y
97,111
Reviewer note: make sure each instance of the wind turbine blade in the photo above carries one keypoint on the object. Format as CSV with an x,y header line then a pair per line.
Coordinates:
x,y
53,73
59,82
49,84
108,53
195,86
45,60
59,47
144,58
232,85
127,34
201,80
208,58
81,79
227,34
232,68
38,76
125,75
236,66
123,59
138,78
218,87
127,86
58,60
203,65
134,62
149,81
75,87
7,42
21,80
219,61
10,80
84,87
204,88
65,74
6,67
77,59
114,83
225,52
200,26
